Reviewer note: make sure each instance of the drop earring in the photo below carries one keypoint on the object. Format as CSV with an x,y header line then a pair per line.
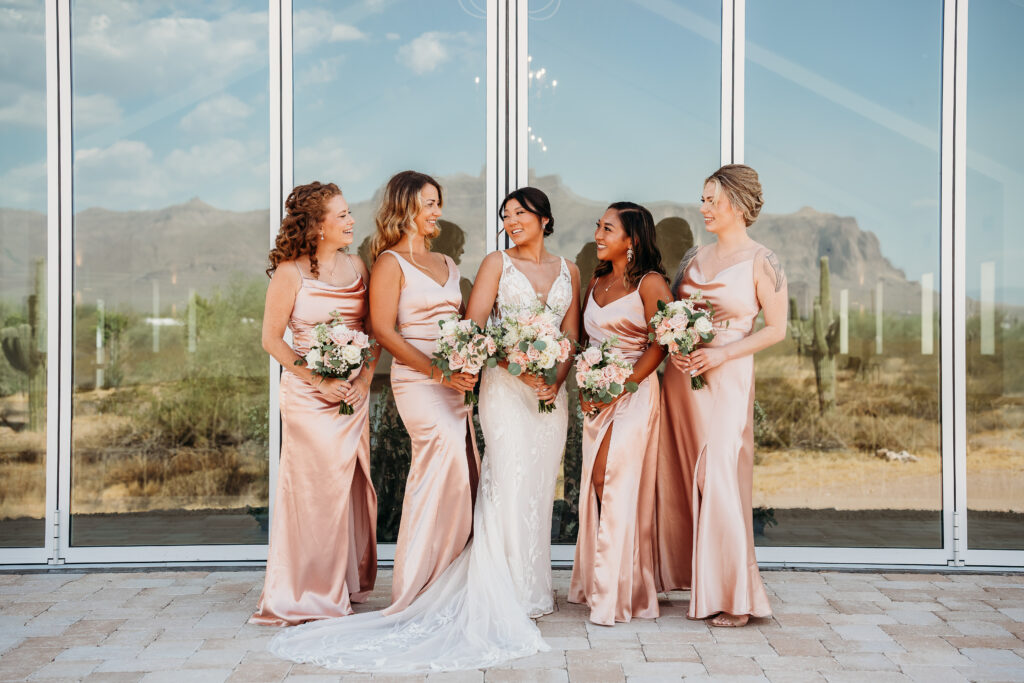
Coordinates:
x,y
629,254
321,234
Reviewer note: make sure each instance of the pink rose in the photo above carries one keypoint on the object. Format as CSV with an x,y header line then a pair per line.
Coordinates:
x,y
592,355
456,361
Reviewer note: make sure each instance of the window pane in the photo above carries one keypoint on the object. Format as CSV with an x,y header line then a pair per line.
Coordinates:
x,y
23,314
380,88
170,126
995,281
842,123
624,103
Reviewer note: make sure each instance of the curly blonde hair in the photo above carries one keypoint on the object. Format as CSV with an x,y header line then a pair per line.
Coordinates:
x,y
306,207
742,185
398,208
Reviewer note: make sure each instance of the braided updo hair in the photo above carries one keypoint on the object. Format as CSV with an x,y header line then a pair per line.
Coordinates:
x,y
306,207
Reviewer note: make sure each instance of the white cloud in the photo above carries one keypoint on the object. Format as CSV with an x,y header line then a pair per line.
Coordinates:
x,y
341,33
329,161
143,56
425,53
392,36
323,71
24,187
206,161
28,110
93,111
218,114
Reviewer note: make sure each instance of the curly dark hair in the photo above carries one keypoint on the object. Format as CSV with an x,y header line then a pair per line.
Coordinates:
x,y
297,236
638,223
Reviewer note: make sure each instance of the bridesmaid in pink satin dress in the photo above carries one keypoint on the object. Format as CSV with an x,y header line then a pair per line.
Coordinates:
x,y
706,456
614,568
323,545
412,289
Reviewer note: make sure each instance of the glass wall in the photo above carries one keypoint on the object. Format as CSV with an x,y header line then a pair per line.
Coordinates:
x,y
995,280
624,104
170,130
846,139
23,312
380,88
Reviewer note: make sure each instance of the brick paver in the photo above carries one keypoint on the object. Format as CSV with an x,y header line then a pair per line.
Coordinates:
x,y
829,626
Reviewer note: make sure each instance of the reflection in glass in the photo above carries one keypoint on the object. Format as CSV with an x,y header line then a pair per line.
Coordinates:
x,y
379,88
995,281
848,436
624,105
23,278
170,400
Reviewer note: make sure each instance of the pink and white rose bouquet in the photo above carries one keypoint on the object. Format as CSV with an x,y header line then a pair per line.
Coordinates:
x,y
463,347
338,351
532,342
602,373
681,326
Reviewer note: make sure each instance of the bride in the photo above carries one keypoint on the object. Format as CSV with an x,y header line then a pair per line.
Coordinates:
x,y
477,613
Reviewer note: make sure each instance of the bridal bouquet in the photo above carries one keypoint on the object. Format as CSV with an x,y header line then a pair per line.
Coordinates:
x,y
338,351
463,347
601,373
532,342
681,326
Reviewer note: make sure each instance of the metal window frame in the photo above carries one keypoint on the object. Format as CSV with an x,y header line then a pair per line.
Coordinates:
x,y
507,167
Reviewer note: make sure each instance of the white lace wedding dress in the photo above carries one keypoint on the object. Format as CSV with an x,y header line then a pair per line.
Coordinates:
x,y
476,614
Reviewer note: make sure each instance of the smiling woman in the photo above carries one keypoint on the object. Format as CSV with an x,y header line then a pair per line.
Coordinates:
x,y
170,131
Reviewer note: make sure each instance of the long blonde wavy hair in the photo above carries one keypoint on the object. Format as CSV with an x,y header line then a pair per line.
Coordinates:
x,y
398,207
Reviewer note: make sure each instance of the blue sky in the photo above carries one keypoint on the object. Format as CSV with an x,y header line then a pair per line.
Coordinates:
x,y
842,105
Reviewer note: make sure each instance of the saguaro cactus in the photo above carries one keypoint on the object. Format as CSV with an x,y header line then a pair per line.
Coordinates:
x,y
819,339
24,347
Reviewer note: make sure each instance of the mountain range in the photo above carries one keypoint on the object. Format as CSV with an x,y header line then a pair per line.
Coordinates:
x,y
119,255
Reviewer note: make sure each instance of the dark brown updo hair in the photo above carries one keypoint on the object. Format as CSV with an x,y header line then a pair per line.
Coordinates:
x,y
638,223
306,207
742,185
533,201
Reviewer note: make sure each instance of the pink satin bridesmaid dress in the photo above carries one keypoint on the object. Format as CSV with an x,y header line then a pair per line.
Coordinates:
x,y
614,568
437,511
706,462
323,539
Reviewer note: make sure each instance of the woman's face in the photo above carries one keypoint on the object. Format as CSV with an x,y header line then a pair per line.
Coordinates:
x,y
338,223
430,211
720,215
520,225
610,236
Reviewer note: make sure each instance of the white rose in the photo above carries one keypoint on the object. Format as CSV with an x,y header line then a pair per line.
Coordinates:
x,y
312,358
676,307
351,355
702,325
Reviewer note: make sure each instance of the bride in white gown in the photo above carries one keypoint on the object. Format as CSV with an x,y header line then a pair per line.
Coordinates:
x,y
477,614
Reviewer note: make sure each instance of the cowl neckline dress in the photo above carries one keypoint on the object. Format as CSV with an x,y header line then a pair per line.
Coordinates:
x,y
706,461
323,540
613,571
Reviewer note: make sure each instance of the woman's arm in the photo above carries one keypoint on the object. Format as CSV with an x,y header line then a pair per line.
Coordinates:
x,y
281,292
485,289
652,290
385,289
361,384
772,292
